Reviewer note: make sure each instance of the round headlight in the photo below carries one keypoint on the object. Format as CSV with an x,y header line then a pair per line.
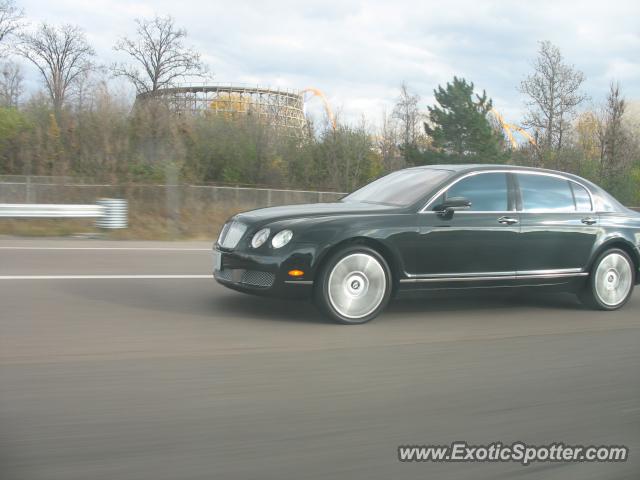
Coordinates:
x,y
260,237
280,239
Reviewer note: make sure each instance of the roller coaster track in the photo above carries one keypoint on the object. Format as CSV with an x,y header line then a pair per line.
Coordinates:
x,y
509,128
327,108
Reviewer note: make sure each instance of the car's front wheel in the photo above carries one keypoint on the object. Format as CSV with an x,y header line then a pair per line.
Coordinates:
x,y
611,281
354,285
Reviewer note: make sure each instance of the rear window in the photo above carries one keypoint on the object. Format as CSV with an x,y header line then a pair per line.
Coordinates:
x,y
604,202
542,193
582,198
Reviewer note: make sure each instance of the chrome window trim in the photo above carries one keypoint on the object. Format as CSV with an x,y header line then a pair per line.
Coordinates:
x,y
497,212
526,172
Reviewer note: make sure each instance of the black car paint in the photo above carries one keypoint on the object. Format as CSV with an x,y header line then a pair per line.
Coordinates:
x,y
417,243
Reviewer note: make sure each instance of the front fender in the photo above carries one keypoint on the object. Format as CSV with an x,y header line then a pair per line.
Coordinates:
x,y
327,235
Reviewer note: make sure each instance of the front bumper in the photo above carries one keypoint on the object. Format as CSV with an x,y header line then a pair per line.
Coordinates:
x,y
263,274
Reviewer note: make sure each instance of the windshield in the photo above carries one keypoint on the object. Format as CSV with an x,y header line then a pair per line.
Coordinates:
x,y
401,188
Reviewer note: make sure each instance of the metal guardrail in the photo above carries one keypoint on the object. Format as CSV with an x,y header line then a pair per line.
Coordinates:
x,y
110,212
15,210
115,213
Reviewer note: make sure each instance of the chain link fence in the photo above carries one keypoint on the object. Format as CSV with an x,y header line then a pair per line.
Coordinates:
x,y
159,210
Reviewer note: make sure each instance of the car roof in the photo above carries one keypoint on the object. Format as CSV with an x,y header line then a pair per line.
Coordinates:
x,y
604,199
470,167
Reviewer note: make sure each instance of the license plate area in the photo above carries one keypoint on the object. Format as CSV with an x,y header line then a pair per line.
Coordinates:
x,y
217,260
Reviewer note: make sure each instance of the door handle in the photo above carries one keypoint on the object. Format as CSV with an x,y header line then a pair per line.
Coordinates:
x,y
507,220
589,220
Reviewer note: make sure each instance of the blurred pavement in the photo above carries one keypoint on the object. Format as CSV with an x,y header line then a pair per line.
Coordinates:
x,y
179,378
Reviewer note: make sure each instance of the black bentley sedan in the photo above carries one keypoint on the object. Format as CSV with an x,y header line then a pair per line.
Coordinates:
x,y
434,228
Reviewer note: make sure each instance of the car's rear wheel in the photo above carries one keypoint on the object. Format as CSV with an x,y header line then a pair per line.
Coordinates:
x,y
354,285
611,281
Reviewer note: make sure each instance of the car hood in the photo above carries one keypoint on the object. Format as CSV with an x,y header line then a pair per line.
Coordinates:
x,y
312,210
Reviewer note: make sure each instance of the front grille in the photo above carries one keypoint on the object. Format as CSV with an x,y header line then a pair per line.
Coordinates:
x,y
226,274
257,278
254,278
231,234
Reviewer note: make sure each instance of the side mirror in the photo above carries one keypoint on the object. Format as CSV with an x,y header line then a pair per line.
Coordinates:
x,y
452,204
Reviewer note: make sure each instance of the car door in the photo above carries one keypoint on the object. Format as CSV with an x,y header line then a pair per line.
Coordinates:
x,y
477,241
558,225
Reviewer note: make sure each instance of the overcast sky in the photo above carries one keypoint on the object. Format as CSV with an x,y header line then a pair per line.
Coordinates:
x,y
359,53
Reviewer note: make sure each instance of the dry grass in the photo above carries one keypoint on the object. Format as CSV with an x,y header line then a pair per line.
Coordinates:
x,y
155,211
144,224
45,227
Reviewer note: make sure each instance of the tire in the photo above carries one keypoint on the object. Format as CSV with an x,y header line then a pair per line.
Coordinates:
x,y
354,285
610,282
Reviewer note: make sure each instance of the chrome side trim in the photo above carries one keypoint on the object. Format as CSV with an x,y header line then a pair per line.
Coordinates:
x,y
487,287
456,279
554,275
549,271
471,275
531,274
515,172
299,282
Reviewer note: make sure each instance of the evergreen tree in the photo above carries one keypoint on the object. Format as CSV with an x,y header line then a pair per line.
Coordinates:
x,y
459,129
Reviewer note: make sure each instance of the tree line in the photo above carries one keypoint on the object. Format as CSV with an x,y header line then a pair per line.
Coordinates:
x,y
81,124
568,130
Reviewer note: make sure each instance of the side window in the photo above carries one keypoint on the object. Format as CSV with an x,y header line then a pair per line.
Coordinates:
x,y
582,198
487,192
541,193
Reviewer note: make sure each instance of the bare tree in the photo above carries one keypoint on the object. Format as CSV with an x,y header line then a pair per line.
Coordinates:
x,y
159,55
407,113
613,138
10,19
11,86
88,88
387,140
61,55
553,92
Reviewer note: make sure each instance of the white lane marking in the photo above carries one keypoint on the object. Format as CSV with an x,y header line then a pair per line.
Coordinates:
x,y
100,277
167,249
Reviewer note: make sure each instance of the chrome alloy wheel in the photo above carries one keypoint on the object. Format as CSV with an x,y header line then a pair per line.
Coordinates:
x,y
613,279
357,285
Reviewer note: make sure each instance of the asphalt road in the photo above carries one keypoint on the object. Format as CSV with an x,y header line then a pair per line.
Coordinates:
x,y
178,378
